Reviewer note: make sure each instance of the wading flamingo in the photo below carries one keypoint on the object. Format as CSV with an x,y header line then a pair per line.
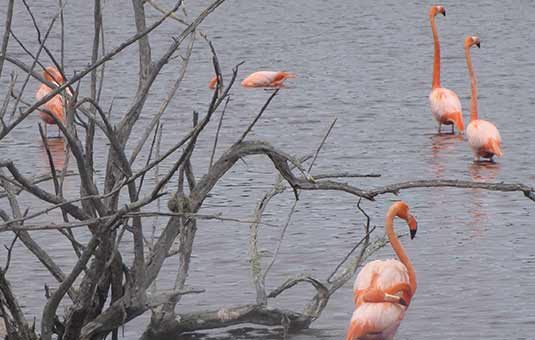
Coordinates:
x,y
383,289
54,105
483,136
266,79
445,104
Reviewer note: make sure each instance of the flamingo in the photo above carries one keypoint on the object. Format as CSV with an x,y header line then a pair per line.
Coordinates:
x,y
54,105
483,136
383,289
213,83
266,79
445,104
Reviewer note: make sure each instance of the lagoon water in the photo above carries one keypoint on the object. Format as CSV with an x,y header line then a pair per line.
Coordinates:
x,y
368,64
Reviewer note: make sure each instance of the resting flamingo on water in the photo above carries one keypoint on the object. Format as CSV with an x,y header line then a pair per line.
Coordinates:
x,y
266,79
445,104
54,105
483,137
383,289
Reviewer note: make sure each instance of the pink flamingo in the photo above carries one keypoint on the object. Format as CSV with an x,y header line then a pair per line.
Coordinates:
x,y
445,104
266,79
383,289
54,105
213,83
483,137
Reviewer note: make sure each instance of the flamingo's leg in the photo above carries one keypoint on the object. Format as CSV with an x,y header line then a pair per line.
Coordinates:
x,y
452,129
439,127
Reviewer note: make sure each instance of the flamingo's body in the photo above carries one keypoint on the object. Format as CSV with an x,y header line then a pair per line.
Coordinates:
x,y
445,104
54,105
483,136
383,289
266,79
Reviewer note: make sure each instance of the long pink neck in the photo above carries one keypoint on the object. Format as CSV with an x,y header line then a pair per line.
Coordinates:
x,y
398,248
473,84
436,63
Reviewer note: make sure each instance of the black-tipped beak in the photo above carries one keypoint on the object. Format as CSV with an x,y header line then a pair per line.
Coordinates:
x,y
403,302
444,14
478,45
413,233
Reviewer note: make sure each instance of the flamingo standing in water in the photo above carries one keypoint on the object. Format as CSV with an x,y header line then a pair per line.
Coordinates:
x,y
445,104
483,137
383,289
266,79
54,105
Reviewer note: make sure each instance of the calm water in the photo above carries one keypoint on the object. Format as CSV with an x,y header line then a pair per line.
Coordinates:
x,y
369,64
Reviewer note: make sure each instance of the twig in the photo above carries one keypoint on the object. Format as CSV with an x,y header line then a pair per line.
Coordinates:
x,y
217,132
9,250
7,30
283,231
321,144
250,127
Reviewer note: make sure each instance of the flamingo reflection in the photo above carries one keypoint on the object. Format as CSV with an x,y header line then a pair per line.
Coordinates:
x,y
57,151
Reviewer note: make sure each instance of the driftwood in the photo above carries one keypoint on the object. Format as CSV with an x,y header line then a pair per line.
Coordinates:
x,y
102,291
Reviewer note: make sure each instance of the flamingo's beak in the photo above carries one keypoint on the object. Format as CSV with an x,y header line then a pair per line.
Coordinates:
x,y
444,13
413,225
403,302
478,44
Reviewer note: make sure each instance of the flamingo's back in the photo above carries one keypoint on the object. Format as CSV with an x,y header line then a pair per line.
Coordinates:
x,y
260,78
381,274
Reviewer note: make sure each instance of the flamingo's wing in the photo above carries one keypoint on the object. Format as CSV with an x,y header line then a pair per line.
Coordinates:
x,y
380,274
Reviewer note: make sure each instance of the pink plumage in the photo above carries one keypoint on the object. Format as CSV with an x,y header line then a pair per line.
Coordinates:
x,y
266,79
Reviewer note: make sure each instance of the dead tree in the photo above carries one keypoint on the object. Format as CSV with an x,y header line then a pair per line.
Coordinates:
x,y
103,291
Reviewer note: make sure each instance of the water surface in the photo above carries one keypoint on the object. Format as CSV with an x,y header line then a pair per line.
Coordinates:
x,y
368,64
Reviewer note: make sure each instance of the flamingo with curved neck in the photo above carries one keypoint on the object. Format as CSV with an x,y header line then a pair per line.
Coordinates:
x,y
445,104
54,105
483,136
383,289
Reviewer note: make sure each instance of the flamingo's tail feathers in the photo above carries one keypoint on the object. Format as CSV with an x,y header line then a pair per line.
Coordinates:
x,y
355,331
495,147
457,119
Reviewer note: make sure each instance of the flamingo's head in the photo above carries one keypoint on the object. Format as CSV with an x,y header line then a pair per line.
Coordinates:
x,y
403,212
434,10
472,40
52,75
213,83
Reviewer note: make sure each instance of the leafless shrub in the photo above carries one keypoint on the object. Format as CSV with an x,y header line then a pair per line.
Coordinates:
x,y
104,292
